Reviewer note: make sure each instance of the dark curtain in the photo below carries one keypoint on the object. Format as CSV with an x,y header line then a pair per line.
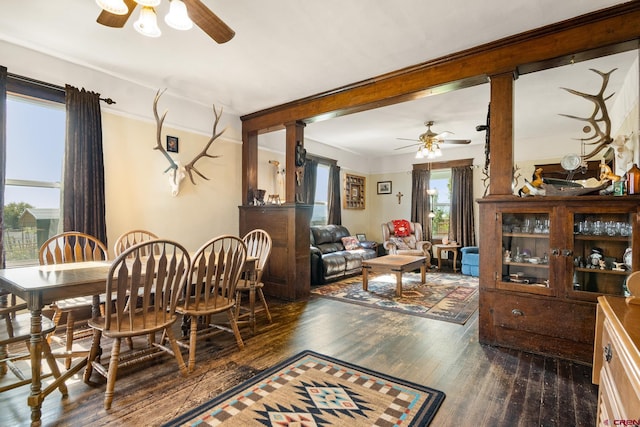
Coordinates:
x,y
420,200
3,154
334,208
83,197
461,225
309,182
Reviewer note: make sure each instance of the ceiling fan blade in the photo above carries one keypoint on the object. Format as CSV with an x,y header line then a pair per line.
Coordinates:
x,y
209,21
407,146
455,141
408,139
116,21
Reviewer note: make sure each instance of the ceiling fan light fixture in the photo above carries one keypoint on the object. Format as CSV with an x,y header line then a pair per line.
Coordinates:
x,y
147,23
149,3
117,7
178,18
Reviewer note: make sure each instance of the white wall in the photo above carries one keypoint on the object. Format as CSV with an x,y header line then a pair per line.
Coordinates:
x,y
138,194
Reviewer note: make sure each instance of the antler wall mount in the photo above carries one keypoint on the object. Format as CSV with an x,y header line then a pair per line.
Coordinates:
x,y
599,123
176,172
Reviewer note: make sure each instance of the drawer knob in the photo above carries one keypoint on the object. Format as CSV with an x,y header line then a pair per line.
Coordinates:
x,y
608,353
517,312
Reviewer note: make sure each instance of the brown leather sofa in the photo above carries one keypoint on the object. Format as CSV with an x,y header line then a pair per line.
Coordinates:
x,y
413,244
329,258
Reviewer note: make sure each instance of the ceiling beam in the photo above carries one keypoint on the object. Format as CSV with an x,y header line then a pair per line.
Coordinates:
x,y
609,30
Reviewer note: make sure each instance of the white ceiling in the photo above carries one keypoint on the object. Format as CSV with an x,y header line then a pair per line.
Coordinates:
x,y
289,49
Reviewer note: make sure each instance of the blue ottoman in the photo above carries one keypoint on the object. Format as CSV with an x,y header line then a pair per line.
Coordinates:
x,y
470,261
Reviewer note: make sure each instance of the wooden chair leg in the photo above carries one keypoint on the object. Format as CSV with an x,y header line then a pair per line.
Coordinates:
x,y
53,365
112,372
176,351
234,328
69,337
93,354
238,302
264,303
192,343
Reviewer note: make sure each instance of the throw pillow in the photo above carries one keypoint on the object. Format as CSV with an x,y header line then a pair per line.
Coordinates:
x,y
350,243
399,242
401,227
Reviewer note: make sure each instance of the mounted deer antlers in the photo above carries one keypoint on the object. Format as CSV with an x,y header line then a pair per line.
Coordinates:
x,y
601,137
191,165
177,173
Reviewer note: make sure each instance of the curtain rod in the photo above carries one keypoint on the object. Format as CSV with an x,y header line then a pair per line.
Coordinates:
x,y
49,86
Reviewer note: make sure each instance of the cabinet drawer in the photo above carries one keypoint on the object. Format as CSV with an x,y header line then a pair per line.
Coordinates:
x,y
607,410
553,318
617,368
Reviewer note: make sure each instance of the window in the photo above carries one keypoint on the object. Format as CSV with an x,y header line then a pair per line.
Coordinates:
x,y
35,131
320,206
440,180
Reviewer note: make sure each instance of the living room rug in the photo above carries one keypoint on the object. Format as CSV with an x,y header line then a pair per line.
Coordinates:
x,y
311,389
449,297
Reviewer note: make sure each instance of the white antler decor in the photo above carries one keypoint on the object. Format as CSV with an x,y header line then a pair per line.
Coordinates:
x,y
176,172
601,136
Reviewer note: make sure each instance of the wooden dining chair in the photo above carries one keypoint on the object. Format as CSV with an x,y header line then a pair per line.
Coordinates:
x,y
215,271
67,247
154,268
124,242
15,327
130,238
258,246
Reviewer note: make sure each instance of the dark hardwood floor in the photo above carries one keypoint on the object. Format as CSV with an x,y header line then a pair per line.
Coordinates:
x,y
484,386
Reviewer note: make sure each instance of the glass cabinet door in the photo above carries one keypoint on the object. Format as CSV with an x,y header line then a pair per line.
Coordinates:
x,y
601,253
525,252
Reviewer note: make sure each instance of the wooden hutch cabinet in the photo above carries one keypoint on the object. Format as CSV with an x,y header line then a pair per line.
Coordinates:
x,y
551,258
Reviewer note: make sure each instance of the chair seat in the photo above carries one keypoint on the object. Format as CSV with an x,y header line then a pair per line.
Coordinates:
x,y
245,285
22,329
218,304
75,303
138,324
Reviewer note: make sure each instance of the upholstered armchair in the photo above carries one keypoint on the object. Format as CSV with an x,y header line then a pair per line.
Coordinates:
x,y
409,242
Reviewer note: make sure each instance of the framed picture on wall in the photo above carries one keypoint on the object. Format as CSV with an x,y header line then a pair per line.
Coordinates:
x,y
361,237
384,187
172,144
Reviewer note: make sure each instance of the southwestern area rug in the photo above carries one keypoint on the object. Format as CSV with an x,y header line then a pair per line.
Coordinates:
x,y
311,389
449,297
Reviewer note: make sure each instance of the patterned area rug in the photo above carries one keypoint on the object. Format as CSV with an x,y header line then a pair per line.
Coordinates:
x,y
310,389
449,297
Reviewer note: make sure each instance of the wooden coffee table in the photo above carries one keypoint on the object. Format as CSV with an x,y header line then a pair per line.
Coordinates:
x,y
397,264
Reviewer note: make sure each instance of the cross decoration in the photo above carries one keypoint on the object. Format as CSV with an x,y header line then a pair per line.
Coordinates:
x,y
399,196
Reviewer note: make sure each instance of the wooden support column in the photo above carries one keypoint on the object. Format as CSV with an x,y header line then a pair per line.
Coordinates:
x,y
501,128
295,135
249,163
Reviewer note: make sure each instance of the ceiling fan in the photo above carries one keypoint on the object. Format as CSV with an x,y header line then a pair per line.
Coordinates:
x,y
115,13
429,142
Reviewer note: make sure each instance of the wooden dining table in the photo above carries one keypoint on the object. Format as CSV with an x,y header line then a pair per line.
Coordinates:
x,y
40,285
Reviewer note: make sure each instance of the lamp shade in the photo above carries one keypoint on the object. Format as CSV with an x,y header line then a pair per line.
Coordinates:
x,y
178,18
117,7
149,3
147,23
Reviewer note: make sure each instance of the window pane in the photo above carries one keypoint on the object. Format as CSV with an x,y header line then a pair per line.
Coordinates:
x,y
441,181
320,213
35,139
35,150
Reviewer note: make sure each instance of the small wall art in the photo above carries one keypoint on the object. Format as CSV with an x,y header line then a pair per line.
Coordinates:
x,y
172,144
384,187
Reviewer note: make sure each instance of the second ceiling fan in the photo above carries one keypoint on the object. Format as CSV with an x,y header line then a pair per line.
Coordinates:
x,y
116,13
429,142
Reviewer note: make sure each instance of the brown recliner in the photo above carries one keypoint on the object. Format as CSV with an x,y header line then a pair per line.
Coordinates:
x,y
413,244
